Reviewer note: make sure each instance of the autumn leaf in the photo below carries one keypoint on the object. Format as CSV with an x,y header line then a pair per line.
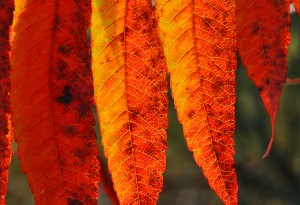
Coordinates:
x,y
265,24
6,17
131,96
200,43
51,97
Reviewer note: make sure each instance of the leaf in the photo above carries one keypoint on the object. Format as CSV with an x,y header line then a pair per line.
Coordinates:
x,y
200,44
131,96
51,96
6,15
265,24
296,5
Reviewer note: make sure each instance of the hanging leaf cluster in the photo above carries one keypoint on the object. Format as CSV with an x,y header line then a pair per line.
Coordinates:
x,y
52,76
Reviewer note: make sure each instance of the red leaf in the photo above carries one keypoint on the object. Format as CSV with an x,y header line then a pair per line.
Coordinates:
x,y
51,100
6,15
263,37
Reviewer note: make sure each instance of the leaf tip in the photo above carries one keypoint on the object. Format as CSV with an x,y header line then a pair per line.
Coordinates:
x,y
270,143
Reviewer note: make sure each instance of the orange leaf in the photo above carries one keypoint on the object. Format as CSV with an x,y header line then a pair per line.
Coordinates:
x,y
6,15
263,37
200,43
131,97
51,96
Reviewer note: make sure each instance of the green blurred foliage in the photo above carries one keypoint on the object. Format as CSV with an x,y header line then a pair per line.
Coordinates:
x,y
272,181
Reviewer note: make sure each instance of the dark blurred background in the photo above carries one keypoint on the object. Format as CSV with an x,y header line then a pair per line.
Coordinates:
x,y
272,181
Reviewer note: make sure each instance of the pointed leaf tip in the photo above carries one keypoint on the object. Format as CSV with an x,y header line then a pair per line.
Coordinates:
x,y
270,145
273,123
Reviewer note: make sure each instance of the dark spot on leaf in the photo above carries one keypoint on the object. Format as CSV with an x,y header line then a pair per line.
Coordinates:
x,y
277,85
61,66
10,9
64,49
260,89
88,136
217,85
209,110
163,141
126,29
83,109
128,151
66,98
153,180
267,81
89,145
255,29
217,50
145,16
137,53
56,21
131,125
271,95
70,130
107,59
223,31
207,21
62,163
139,178
280,54
155,99
131,167
153,62
191,114
150,149
74,202
79,153
135,113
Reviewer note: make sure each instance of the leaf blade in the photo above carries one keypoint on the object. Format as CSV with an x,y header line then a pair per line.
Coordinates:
x,y
52,99
199,44
265,56
130,91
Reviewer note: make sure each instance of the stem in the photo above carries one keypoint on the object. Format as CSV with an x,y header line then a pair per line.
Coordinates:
x,y
293,81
